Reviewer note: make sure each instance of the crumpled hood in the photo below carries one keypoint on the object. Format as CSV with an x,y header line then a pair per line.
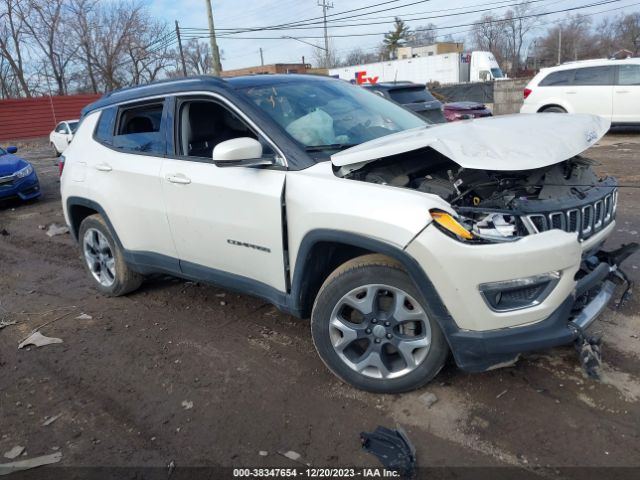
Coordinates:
x,y
10,164
503,143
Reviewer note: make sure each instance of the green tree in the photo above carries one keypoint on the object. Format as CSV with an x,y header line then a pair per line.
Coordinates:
x,y
396,37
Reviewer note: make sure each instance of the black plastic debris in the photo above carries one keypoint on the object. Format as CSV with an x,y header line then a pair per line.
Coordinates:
x,y
4,232
392,448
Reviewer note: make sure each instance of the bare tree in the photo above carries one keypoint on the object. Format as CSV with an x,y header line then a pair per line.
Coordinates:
x,y
489,34
423,35
517,26
628,28
12,32
323,59
357,56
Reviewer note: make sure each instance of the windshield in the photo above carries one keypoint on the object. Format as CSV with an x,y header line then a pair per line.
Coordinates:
x,y
331,114
411,95
73,126
497,73
2,151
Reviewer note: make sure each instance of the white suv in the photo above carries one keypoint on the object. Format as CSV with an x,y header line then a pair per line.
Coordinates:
x,y
609,88
401,240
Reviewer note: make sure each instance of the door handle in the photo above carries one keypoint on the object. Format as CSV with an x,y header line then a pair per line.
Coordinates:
x,y
622,91
179,179
571,92
104,167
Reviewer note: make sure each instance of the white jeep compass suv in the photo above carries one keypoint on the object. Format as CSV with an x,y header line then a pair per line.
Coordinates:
x,y
403,241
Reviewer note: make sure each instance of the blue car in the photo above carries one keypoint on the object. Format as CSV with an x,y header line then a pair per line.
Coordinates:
x,y
17,176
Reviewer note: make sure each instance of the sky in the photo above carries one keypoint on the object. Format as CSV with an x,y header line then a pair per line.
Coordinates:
x,y
241,52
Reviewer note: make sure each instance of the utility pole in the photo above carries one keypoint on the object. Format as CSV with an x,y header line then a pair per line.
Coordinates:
x,y
325,6
184,65
559,45
261,57
215,53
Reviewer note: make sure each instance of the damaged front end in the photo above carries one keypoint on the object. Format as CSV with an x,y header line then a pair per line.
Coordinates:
x,y
502,206
539,215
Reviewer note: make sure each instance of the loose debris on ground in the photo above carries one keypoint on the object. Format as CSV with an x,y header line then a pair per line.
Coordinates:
x,y
55,229
7,468
392,448
14,452
39,340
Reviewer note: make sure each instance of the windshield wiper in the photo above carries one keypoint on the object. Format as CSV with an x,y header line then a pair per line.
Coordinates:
x,y
331,146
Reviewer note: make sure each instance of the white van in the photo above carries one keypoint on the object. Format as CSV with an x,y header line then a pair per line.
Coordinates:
x,y
609,88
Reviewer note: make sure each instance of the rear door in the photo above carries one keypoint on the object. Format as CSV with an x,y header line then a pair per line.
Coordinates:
x,y
123,172
226,221
591,90
626,94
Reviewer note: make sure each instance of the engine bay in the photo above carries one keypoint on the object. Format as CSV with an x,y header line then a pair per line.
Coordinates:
x,y
500,202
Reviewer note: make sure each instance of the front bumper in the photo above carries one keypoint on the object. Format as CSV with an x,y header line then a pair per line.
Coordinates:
x,y
482,338
26,188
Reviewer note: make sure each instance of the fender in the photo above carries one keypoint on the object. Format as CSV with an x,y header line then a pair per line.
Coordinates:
x,y
304,265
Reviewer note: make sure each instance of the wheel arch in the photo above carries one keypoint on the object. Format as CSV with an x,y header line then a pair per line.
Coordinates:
x,y
311,271
550,105
79,208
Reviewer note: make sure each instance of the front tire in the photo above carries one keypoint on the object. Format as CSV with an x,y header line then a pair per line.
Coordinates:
x,y
55,150
103,259
370,327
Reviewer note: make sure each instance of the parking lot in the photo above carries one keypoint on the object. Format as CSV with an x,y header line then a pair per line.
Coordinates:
x,y
200,376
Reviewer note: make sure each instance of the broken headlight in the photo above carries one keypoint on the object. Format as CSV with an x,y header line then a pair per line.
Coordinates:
x,y
479,227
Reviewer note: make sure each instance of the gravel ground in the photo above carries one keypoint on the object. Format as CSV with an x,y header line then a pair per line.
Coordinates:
x,y
201,376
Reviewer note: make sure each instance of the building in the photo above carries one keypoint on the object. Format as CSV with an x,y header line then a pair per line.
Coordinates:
x,y
428,50
265,69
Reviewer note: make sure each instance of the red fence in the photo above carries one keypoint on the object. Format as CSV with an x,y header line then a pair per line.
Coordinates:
x,y
35,117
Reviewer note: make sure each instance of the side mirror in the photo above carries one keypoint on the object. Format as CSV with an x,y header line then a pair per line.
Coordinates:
x,y
240,152
12,149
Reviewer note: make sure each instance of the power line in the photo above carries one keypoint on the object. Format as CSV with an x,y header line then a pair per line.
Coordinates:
x,y
430,17
476,23
317,20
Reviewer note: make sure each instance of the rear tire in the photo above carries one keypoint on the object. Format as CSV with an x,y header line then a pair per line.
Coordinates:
x,y
371,329
103,259
554,110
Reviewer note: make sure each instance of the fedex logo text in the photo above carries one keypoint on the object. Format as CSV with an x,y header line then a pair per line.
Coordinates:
x,y
362,78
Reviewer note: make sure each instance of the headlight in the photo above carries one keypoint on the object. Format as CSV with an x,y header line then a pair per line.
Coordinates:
x,y
24,172
479,227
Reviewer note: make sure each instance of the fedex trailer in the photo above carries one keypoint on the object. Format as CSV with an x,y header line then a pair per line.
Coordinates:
x,y
446,68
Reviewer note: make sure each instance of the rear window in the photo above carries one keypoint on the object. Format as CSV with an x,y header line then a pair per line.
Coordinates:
x,y
629,75
411,95
594,76
556,79
138,129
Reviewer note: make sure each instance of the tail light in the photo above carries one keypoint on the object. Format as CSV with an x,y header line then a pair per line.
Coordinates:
x,y
527,92
61,160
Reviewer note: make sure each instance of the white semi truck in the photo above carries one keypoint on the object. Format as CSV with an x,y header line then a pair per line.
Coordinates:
x,y
445,68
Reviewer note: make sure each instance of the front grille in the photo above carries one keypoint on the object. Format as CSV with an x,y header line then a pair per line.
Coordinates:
x,y
587,220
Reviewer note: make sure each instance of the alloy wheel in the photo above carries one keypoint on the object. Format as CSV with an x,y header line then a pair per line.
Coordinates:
x,y
380,331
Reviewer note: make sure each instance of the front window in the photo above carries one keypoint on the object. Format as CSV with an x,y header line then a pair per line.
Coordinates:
x,y
327,116
73,126
497,73
2,151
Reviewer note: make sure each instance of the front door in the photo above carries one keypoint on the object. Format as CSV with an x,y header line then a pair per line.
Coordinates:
x,y
226,222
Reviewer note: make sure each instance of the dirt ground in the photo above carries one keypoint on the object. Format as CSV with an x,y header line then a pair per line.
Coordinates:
x,y
123,381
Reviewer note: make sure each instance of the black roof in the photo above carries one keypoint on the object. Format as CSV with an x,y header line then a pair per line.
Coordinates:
x,y
197,83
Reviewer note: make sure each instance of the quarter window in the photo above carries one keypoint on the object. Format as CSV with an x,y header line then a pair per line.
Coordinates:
x,y
629,75
104,129
138,129
594,76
